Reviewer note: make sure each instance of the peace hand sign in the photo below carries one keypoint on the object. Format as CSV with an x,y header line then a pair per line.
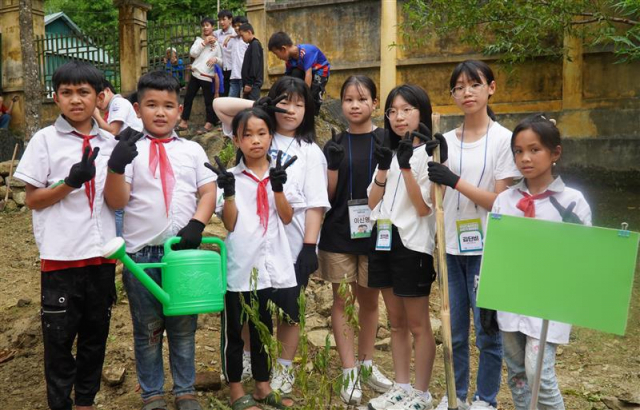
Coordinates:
x,y
334,151
271,105
125,151
278,175
567,213
225,180
84,170
383,154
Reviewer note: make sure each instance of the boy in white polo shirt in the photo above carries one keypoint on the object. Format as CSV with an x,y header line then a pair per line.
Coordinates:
x,y
119,113
156,177
70,225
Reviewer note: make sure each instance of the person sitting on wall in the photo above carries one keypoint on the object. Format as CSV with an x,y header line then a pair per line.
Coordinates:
x,y
5,113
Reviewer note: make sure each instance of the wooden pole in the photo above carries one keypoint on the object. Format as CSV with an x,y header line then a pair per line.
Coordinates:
x,y
443,281
3,203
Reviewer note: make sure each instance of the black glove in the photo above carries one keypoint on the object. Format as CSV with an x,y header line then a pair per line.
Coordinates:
x,y
278,175
405,151
225,180
489,321
125,150
383,156
423,133
269,105
441,174
306,264
190,235
334,152
567,213
84,170
444,148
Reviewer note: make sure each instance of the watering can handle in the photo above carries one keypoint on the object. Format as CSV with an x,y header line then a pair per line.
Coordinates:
x,y
207,239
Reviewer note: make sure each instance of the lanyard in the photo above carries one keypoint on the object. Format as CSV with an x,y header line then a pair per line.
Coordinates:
x,y
288,146
484,164
393,202
351,165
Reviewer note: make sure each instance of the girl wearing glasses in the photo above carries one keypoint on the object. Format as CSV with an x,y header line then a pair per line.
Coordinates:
x,y
480,166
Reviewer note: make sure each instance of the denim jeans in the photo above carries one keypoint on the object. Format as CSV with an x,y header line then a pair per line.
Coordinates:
x,y
235,88
149,324
463,274
5,119
119,220
520,354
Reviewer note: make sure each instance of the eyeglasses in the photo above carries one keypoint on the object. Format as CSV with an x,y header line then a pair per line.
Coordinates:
x,y
458,92
392,113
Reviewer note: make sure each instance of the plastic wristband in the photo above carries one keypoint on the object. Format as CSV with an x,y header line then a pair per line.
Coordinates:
x,y
57,184
380,184
230,198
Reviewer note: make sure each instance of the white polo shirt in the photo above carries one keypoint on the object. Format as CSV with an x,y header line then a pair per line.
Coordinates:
x,y
249,247
417,232
506,204
236,48
309,172
67,230
491,153
145,217
221,35
120,109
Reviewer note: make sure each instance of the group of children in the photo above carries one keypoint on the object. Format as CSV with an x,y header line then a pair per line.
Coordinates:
x,y
365,202
229,62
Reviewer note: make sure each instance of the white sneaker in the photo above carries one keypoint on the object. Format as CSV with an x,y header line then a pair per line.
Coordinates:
x,y
352,392
282,379
378,381
393,396
481,405
444,404
415,401
246,368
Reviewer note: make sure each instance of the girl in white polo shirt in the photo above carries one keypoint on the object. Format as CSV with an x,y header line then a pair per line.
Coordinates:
x,y
479,168
257,241
536,147
401,243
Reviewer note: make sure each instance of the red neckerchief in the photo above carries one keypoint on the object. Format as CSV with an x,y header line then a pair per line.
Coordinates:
x,y
527,204
106,116
262,200
89,186
158,156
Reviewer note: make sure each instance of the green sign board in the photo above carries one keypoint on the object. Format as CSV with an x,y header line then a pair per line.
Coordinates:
x,y
558,271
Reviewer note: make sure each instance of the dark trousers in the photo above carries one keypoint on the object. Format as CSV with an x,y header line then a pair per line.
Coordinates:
x,y
207,91
75,302
226,74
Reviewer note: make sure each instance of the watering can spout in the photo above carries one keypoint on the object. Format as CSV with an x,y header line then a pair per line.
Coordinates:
x,y
115,249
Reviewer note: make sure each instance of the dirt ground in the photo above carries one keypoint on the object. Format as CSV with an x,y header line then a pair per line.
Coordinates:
x,y
592,367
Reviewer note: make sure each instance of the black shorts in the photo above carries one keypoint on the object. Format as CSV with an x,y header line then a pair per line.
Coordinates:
x,y
408,272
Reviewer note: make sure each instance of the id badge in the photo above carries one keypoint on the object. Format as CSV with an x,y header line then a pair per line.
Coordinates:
x,y
359,222
383,239
469,233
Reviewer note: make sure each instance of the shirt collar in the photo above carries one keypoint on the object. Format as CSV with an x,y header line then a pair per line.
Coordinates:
x,y
241,167
62,126
556,186
174,135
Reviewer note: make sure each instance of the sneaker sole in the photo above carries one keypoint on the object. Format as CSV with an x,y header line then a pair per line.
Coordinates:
x,y
377,388
350,400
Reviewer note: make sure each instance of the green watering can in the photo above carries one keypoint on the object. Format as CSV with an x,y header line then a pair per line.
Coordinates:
x,y
193,280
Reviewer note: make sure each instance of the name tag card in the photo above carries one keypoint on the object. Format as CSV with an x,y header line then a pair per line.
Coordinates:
x,y
359,218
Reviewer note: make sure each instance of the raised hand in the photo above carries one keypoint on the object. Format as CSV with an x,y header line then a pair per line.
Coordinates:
x,y
334,151
125,150
271,105
444,148
423,133
383,155
225,180
441,174
84,170
278,175
405,151
567,213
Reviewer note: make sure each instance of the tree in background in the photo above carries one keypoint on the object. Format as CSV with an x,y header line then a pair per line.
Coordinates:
x,y
518,30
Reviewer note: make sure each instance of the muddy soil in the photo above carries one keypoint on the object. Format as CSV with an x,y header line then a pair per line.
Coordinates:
x,y
593,366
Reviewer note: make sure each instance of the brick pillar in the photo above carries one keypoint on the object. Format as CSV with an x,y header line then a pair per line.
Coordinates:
x,y
12,75
257,15
132,30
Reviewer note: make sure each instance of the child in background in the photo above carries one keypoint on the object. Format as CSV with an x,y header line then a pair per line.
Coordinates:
x,y
342,254
225,31
237,48
118,112
158,190
402,241
304,61
480,168
536,146
64,167
206,53
295,136
5,112
174,65
252,65
256,241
